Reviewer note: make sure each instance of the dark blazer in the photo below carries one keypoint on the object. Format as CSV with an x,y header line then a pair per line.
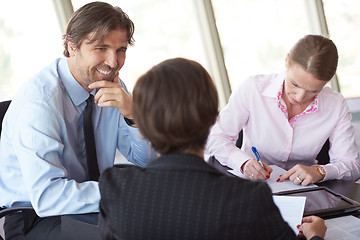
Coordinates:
x,y
179,196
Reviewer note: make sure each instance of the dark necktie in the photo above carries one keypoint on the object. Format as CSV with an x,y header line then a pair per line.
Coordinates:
x,y
90,141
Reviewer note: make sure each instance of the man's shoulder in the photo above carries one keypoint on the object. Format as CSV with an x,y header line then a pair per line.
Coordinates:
x,y
42,85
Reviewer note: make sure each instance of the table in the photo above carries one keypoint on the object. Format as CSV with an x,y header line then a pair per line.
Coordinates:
x,y
346,188
84,226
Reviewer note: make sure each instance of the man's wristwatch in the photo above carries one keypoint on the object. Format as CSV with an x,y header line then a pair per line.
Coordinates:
x,y
321,170
129,121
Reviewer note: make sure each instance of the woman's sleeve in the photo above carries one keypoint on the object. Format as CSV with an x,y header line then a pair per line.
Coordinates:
x,y
344,156
223,135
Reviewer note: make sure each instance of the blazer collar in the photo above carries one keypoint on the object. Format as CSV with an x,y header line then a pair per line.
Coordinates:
x,y
178,161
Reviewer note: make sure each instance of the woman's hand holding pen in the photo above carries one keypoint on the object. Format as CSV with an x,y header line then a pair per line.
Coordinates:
x,y
301,174
254,171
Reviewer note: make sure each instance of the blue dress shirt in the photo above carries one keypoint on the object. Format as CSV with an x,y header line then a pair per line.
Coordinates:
x,y
42,152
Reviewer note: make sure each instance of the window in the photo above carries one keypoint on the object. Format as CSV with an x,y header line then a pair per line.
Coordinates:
x,y
343,19
256,35
30,39
163,29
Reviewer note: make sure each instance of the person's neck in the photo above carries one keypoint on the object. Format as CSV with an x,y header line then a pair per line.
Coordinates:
x,y
198,153
295,109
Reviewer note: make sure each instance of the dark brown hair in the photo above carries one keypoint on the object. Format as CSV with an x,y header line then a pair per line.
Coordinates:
x,y
98,18
317,55
175,104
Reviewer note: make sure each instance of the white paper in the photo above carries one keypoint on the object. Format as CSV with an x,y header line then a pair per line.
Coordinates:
x,y
343,228
291,209
276,187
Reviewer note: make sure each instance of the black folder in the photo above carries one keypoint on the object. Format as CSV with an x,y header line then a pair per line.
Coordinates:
x,y
323,202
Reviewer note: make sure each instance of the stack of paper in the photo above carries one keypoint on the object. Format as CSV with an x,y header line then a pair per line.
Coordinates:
x,y
291,209
276,186
343,228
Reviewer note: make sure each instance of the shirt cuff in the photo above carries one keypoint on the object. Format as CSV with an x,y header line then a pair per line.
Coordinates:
x,y
129,121
237,159
331,172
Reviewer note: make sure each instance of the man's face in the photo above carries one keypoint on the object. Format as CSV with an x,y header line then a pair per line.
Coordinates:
x,y
100,60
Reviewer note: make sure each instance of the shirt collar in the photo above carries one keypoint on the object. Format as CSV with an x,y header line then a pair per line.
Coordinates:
x,y
273,87
275,90
75,91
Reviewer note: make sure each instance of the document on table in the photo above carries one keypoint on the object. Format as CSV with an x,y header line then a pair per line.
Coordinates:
x,y
276,186
343,228
291,209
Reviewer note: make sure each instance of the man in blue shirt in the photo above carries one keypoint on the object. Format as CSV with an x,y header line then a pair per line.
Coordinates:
x,y
43,156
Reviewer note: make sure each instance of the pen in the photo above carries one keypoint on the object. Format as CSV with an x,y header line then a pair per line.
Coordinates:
x,y
257,155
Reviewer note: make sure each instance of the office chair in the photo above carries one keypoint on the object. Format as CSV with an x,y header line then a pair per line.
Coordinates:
x,y
323,156
5,211
3,108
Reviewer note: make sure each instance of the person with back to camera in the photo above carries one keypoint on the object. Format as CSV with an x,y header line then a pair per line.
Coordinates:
x,y
178,195
43,150
288,117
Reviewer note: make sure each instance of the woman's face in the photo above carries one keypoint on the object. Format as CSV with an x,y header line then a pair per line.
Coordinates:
x,y
300,87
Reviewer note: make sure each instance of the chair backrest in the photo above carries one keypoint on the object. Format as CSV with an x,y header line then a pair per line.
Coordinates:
x,y
240,139
3,108
4,211
323,156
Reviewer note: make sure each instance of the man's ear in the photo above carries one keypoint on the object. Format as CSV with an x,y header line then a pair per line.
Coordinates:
x,y
71,48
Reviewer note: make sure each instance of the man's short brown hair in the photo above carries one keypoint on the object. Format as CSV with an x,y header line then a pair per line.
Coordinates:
x,y
175,104
96,20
